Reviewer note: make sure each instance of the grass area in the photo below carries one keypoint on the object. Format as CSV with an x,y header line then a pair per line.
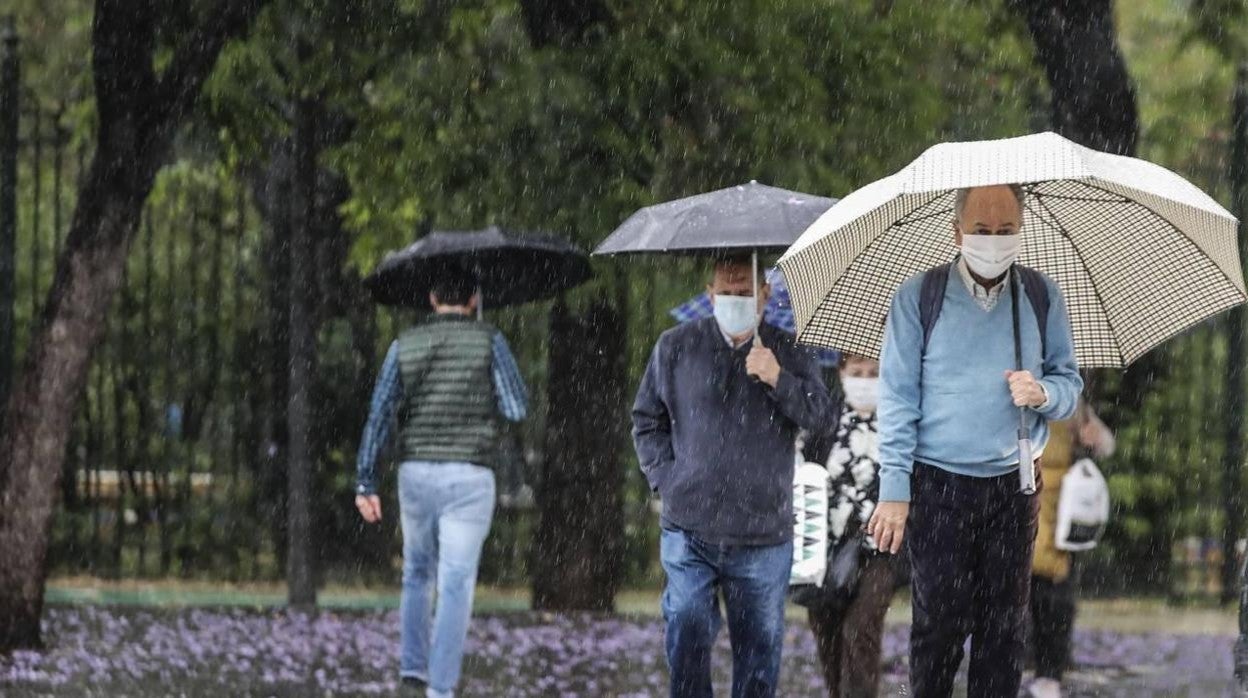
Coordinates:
x,y
1118,615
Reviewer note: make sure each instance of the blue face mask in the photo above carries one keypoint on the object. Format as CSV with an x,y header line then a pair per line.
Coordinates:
x,y
736,315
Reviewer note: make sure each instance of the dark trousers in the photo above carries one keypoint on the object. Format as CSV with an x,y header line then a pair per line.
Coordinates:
x,y
848,638
1052,624
754,582
970,542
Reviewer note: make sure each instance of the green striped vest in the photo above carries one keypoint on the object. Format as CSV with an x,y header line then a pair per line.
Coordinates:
x,y
449,409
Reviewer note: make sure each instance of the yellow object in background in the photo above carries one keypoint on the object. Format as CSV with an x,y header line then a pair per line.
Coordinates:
x,y
1048,561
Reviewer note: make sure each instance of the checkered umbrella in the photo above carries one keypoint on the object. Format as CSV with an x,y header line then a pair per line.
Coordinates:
x,y
1139,252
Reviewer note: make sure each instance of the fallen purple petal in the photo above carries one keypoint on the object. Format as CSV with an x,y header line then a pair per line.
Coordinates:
x,y
113,651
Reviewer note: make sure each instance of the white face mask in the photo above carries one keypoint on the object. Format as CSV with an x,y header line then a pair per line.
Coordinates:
x,y
862,394
736,315
990,255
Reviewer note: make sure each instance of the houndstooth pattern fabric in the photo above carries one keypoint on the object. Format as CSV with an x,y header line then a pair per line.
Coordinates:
x,y
1139,253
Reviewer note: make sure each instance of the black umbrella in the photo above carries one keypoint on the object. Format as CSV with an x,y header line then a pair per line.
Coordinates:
x,y
513,268
746,218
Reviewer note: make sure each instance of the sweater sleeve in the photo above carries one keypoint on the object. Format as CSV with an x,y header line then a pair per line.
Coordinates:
x,y
901,373
1061,378
800,392
652,422
819,443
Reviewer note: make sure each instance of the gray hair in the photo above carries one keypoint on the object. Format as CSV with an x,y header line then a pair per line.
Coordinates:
x,y
959,200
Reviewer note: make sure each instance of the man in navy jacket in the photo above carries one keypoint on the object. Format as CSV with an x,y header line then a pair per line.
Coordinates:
x,y
714,424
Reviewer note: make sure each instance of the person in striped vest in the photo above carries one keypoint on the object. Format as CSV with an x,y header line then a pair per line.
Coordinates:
x,y
451,380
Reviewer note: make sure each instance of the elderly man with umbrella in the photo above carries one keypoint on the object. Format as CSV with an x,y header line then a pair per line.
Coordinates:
x,y
980,352
452,379
714,425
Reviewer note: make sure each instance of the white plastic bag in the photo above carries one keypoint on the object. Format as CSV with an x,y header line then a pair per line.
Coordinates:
x,y
810,525
1082,507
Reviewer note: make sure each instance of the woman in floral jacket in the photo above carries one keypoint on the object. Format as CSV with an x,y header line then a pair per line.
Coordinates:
x,y
848,635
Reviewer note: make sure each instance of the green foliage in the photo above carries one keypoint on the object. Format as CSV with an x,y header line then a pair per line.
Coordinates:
x,y
478,127
454,120
1222,24
1166,479
680,98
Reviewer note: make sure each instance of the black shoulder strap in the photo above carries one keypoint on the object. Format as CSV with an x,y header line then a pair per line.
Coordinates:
x,y
931,298
1038,295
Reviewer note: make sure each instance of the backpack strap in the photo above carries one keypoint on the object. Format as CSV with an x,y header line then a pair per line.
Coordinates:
x,y
932,298
1038,295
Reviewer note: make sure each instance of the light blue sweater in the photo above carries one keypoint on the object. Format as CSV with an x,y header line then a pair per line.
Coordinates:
x,y
951,408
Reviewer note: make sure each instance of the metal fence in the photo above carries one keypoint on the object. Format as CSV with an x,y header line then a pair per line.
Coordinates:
x,y
175,465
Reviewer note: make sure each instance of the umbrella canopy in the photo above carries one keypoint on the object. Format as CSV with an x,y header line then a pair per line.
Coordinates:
x,y
513,268
746,218
1139,252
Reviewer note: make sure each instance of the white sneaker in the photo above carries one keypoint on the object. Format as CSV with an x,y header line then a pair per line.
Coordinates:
x,y
1045,688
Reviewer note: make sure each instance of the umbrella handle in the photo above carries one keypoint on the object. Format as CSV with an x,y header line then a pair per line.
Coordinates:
x,y
756,340
1026,465
758,314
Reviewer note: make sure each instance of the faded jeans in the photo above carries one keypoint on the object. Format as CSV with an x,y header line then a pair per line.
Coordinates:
x,y
446,509
754,582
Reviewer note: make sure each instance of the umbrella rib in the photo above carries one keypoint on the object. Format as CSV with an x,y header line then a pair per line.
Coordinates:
x,y
906,220
1169,222
1119,198
1122,360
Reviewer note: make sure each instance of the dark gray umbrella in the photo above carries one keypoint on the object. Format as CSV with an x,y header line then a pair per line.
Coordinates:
x,y
746,218
512,267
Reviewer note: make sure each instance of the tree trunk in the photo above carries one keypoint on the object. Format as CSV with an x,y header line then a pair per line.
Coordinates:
x,y
1237,348
577,546
566,23
42,407
10,114
138,114
1093,101
300,580
271,191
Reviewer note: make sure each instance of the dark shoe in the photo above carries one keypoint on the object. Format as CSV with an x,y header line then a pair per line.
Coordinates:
x,y
414,687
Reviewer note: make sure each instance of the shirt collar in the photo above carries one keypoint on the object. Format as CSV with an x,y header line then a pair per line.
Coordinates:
x,y
985,297
727,338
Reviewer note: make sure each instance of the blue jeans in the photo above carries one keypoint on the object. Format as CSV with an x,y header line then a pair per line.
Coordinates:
x,y
754,581
446,509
